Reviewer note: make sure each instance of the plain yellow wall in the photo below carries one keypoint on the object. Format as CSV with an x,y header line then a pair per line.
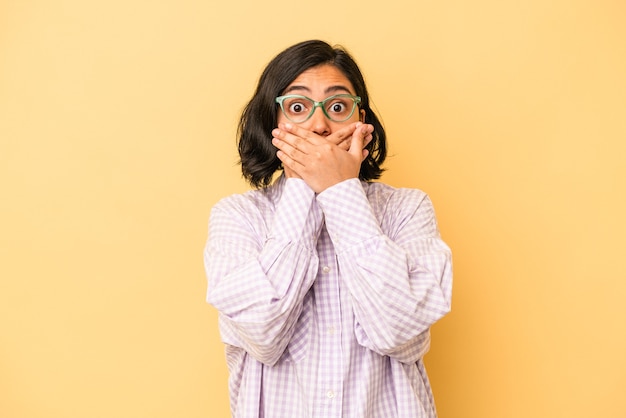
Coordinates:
x,y
117,124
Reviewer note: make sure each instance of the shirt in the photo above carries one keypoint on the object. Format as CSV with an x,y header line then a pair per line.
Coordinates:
x,y
326,300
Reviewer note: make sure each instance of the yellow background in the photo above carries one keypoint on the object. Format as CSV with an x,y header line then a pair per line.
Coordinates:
x,y
117,124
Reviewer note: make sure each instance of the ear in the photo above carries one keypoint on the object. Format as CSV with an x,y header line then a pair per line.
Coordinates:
x,y
362,113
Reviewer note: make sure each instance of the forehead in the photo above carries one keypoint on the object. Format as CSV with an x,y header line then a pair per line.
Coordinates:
x,y
321,77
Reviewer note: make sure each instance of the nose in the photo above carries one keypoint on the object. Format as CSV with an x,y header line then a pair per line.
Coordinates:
x,y
319,123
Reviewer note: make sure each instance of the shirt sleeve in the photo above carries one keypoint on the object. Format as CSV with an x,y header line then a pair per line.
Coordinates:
x,y
258,273
394,264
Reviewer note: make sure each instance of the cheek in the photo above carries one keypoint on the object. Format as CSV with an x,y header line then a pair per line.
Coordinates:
x,y
281,118
357,116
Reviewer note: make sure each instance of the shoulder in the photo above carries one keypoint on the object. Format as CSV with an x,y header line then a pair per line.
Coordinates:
x,y
384,195
248,203
402,209
240,215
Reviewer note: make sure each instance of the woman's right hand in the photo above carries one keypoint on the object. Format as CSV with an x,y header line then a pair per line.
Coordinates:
x,y
322,161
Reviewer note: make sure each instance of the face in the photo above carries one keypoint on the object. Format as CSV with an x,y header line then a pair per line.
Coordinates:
x,y
318,83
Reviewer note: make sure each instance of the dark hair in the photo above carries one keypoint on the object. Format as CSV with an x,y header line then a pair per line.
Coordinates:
x,y
257,154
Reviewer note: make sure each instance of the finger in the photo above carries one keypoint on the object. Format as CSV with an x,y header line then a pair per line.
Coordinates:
x,y
288,150
289,163
298,132
367,140
345,145
359,140
367,130
356,145
286,141
344,134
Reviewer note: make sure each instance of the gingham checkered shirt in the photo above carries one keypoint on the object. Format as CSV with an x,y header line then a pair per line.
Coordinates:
x,y
325,301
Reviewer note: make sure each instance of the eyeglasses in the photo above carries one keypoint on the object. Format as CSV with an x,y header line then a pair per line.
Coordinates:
x,y
337,108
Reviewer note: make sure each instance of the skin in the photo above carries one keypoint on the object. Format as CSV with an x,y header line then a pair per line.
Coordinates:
x,y
319,151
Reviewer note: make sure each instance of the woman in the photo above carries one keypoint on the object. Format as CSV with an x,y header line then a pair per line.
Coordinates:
x,y
326,282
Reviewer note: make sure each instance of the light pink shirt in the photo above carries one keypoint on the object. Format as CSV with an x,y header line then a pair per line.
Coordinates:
x,y
325,301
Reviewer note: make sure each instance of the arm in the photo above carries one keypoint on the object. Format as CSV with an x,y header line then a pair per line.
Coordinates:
x,y
395,265
259,270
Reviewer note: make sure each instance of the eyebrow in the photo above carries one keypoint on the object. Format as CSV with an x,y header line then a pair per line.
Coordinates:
x,y
331,89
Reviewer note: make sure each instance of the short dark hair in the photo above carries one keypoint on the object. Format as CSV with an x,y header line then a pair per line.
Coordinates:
x,y
254,139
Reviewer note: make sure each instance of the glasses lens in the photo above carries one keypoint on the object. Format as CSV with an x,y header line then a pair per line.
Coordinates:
x,y
339,108
297,109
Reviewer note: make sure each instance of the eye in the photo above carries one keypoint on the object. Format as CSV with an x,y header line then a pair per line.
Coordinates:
x,y
338,107
296,107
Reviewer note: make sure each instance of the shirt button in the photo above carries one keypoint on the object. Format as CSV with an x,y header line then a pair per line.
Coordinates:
x,y
325,269
330,394
331,330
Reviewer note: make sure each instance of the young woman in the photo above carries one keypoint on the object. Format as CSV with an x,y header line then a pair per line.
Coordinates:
x,y
326,282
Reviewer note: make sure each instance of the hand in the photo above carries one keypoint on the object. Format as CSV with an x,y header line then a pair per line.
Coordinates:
x,y
343,137
322,161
